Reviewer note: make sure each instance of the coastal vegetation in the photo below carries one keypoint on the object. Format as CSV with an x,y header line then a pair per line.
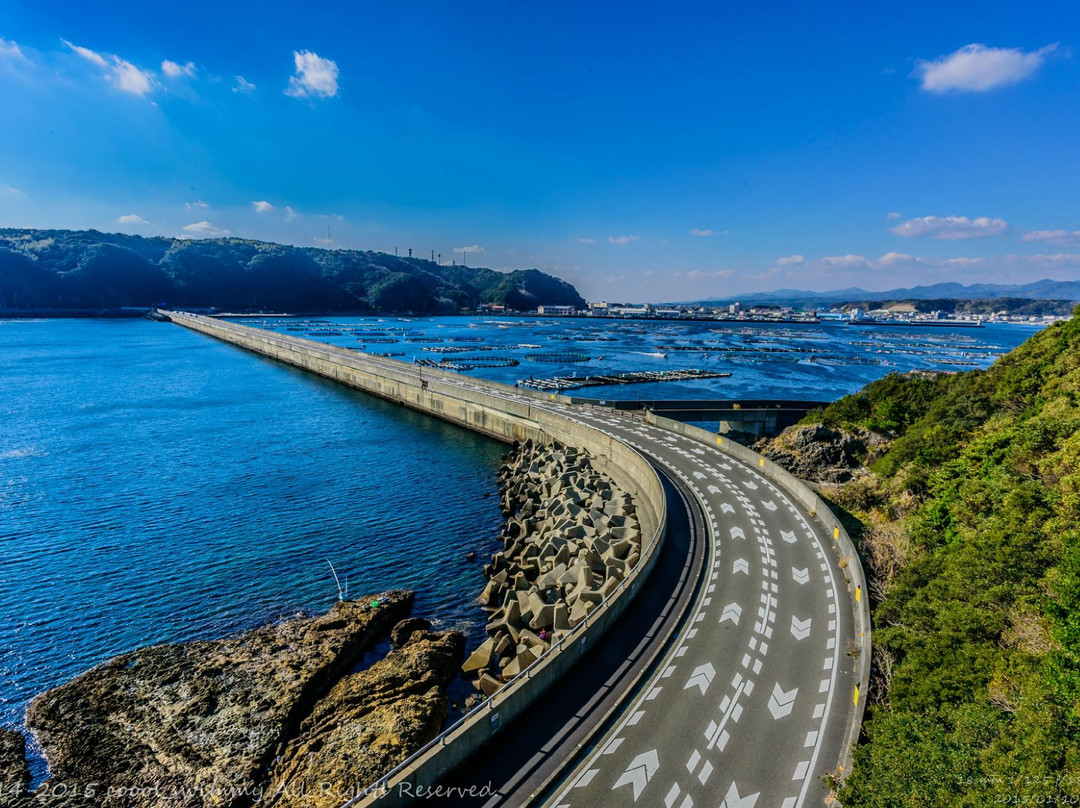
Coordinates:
x,y
66,269
965,499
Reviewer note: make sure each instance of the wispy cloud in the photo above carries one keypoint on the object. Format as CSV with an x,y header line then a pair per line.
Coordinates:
x,y
621,239
475,249
262,207
198,203
120,72
243,86
10,189
131,218
695,231
978,68
205,230
315,77
11,50
893,216
951,227
290,214
790,260
174,70
584,240
1054,236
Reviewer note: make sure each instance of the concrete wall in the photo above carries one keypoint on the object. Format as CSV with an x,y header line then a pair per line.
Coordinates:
x,y
847,557
484,411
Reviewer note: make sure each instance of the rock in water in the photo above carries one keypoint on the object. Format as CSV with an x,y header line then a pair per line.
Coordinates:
x,y
14,773
368,723
400,634
198,724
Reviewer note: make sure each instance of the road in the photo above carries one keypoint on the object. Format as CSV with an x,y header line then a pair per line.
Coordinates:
x,y
752,701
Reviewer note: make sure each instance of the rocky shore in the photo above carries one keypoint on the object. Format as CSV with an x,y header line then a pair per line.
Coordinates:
x,y
570,537
821,454
275,716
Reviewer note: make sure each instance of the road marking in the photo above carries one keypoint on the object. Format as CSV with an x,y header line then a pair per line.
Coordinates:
x,y
788,536
706,770
737,533
586,778
613,746
801,576
701,678
726,508
733,800
732,612
800,629
713,489
698,475
741,565
636,717
639,772
801,770
782,703
769,505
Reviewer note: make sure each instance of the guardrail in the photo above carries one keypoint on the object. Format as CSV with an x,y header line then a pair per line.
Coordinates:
x,y
428,765
849,561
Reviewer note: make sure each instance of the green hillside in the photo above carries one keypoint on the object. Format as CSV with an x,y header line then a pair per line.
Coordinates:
x,y
969,524
65,269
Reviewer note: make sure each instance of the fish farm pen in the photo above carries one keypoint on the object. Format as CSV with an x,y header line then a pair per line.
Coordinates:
x,y
558,357
468,363
633,377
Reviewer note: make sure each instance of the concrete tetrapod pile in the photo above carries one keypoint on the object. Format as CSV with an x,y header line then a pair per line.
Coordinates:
x,y
570,537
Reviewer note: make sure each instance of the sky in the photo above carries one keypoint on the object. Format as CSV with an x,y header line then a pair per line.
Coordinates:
x,y
642,151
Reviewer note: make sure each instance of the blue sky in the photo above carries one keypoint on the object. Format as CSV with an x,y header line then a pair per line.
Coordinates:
x,y
642,151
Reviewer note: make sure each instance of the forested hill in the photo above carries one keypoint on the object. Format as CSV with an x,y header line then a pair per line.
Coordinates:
x,y
969,522
85,269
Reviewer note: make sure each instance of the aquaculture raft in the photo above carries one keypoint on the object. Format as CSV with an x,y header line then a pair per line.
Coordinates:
x,y
558,357
633,377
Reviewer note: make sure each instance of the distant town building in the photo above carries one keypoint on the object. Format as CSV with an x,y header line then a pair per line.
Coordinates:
x,y
557,311
734,308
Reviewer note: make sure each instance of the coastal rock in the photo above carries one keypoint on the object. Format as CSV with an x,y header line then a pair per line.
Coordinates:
x,y
400,633
820,454
368,723
199,723
14,773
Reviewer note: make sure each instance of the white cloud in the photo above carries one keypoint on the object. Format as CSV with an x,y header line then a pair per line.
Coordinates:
x,y
891,258
174,70
205,230
321,241
10,189
243,86
694,231
315,77
789,260
11,49
893,216
472,248
843,261
978,68
621,239
951,227
198,203
126,76
1057,258
699,275
1054,236
262,207
963,262
131,218
583,240
290,214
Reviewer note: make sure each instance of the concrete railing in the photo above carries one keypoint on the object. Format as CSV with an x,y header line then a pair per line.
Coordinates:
x,y
484,407
847,556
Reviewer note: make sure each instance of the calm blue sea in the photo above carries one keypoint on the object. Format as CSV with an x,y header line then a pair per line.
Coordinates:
x,y
159,486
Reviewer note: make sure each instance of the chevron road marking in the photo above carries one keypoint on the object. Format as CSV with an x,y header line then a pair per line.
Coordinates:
x,y
639,772
781,703
699,475
769,505
800,629
742,565
801,576
737,533
788,536
714,489
733,800
701,678
732,612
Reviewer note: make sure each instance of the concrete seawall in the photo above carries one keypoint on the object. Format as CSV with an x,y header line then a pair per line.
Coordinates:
x,y
482,407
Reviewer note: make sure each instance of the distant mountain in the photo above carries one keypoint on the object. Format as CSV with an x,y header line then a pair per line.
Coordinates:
x,y
1038,290
85,269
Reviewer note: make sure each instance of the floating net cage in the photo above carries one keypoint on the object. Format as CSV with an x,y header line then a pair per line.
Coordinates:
x,y
377,340
558,357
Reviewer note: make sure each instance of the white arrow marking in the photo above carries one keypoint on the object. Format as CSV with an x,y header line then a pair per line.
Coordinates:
x,y
725,508
800,629
701,678
751,485
741,565
732,612
769,505
781,703
714,489
699,475
788,536
737,533
733,800
639,772
801,576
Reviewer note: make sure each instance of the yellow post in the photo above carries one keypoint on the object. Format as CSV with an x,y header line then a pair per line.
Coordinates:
x,y
855,700
719,441
836,533
858,594
761,462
